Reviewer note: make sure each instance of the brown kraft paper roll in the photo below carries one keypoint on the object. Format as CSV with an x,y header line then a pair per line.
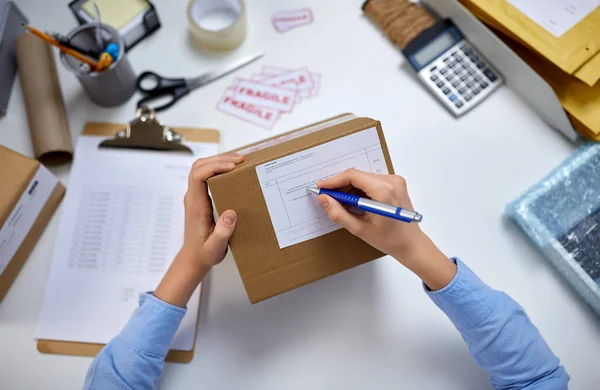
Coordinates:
x,y
44,103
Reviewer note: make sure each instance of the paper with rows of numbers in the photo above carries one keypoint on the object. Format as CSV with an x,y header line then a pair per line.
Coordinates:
x,y
295,213
120,228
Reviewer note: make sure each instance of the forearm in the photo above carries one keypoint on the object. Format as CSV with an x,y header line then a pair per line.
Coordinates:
x,y
500,335
135,358
181,280
426,261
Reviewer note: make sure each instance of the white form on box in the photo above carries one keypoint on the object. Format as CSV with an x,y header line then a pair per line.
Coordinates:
x,y
121,225
295,213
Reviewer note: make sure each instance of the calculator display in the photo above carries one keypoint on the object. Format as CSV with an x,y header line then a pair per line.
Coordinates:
x,y
434,48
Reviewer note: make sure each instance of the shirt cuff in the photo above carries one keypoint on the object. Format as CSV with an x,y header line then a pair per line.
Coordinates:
x,y
152,326
466,300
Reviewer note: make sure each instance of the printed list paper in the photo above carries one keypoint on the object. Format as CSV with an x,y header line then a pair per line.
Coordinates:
x,y
120,228
556,16
295,213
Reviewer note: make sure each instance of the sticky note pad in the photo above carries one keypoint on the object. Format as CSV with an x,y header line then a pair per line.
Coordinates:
x,y
116,13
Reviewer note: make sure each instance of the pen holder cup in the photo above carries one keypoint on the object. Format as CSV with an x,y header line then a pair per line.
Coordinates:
x,y
108,88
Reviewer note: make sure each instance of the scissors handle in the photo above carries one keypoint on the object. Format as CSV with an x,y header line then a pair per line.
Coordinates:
x,y
150,82
170,95
156,87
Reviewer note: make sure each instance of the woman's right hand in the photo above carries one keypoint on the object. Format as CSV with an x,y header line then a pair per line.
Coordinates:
x,y
404,241
388,235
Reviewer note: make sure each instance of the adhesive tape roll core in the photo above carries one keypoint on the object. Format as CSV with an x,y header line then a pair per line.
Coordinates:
x,y
217,25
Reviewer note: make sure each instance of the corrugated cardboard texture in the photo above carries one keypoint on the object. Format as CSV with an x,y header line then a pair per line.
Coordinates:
x,y
267,270
575,52
16,171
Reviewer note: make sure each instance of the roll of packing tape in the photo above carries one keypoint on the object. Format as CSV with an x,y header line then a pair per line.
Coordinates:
x,y
217,25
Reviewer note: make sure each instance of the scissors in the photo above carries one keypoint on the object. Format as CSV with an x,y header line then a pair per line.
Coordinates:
x,y
156,87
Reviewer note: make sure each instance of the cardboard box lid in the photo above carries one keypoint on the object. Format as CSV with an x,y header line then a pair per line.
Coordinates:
x,y
576,52
267,270
16,171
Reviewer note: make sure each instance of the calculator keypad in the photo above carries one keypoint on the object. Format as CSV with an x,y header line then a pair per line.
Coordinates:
x,y
462,76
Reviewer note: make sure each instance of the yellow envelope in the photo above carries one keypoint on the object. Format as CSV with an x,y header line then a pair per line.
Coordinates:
x,y
576,52
580,101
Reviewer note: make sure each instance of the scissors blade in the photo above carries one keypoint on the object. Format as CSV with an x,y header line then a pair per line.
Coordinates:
x,y
209,77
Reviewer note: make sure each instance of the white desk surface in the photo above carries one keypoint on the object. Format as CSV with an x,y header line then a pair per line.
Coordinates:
x,y
370,327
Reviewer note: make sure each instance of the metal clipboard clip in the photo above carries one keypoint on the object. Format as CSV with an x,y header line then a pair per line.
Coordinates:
x,y
146,132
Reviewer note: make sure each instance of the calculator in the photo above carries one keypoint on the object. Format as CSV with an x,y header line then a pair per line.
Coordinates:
x,y
451,68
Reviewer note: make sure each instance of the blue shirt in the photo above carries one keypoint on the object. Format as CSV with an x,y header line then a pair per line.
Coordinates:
x,y
500,336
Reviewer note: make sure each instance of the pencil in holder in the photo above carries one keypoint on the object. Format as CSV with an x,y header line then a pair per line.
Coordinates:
x,y
111,87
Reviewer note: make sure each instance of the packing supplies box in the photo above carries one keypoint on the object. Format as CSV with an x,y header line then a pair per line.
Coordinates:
x,y
566,33
30,194
283,239
579,100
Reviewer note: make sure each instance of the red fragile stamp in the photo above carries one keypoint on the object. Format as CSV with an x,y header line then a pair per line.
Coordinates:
x,y
274,91
284,21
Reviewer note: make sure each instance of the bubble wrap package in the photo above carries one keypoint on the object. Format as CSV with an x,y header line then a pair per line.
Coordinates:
x,y
561,216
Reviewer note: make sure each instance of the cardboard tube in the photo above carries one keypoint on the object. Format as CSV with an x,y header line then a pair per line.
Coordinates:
x,y
44,103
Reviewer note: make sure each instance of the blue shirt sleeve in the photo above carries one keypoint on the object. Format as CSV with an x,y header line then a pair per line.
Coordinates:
x,y
135,358
500,335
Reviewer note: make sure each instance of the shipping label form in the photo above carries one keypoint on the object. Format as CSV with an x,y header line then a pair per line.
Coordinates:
x,y
295,213
556,16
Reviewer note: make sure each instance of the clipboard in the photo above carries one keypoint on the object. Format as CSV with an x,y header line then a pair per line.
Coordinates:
x,y
144,132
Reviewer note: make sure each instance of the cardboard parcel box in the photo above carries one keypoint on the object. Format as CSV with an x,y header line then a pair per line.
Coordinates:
x,y
283,239
29,195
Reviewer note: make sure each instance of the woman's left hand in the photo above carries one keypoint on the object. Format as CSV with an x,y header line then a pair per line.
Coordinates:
x,y
204,241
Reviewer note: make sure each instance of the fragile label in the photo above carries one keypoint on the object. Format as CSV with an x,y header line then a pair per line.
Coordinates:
x,y
287,20
262,116
265,95
300,79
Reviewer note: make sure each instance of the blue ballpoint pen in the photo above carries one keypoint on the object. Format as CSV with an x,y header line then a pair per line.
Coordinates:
x,y
369,205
